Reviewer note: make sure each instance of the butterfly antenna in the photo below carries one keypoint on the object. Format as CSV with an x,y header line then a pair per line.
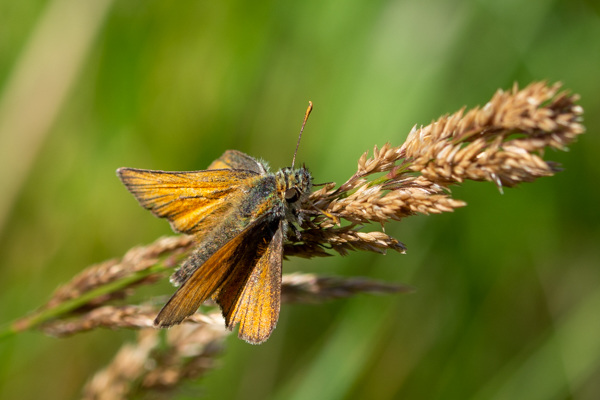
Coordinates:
x,y
308,110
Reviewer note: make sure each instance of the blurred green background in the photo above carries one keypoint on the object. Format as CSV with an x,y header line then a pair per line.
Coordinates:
x,y
507,300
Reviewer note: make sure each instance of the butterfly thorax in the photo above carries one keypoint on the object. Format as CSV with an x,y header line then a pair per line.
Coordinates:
x,y
293,188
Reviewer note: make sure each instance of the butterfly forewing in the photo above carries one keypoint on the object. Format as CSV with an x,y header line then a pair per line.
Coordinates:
x,y
191,201
255,303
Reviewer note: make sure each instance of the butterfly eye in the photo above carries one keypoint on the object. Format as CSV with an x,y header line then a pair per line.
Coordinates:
x,y
292,195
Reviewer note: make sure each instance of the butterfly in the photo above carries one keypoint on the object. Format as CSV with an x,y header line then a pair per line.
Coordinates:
x,y
239,213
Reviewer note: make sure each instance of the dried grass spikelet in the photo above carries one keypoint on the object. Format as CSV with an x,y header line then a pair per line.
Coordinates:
x,y
135,260
310,288
112,317
190,349
108,281
502,142
297,288
114,382
315,241
149,365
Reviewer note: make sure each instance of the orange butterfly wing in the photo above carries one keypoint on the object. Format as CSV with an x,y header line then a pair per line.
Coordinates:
x,y
251,295
192,201
205,280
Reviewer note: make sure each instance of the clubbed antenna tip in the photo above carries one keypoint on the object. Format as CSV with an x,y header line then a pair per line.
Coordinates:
x,y
308,110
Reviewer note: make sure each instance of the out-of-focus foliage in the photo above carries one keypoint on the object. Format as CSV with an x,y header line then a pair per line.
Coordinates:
x,y
508,288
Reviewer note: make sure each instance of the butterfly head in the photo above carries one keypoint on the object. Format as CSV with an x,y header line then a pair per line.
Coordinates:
x,y
293,188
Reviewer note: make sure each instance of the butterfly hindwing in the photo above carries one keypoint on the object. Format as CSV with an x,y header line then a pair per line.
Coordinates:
x,y
233,159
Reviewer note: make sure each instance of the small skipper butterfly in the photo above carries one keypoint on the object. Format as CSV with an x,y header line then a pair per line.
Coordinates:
x,y
239,213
